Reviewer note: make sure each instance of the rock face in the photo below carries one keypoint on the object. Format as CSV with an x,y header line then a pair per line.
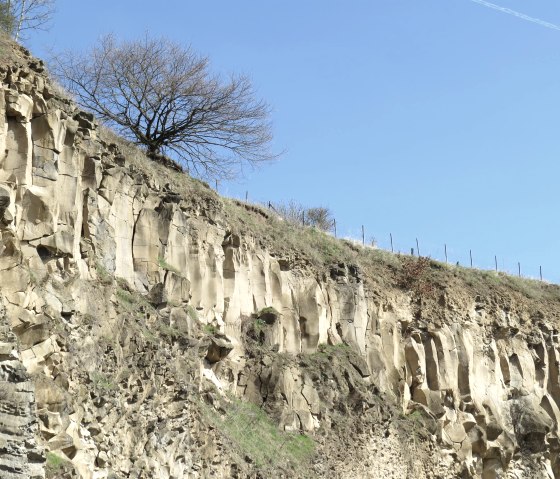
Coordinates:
x,y
20,456
143,305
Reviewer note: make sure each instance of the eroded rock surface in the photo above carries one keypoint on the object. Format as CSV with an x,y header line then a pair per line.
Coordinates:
x,y
143,305
20,455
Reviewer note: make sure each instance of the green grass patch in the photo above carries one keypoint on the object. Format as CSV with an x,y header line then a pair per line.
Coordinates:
x,y
169,332
167,267
148,335
57,467
259,325
192,312
210,329
54,461
132,300
102,382
104,276
125,296
325,351
253,434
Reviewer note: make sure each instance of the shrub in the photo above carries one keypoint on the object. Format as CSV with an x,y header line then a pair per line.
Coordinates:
x,y
319,217
415,275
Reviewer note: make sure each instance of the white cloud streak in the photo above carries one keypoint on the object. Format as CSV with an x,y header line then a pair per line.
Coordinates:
x,y
520,15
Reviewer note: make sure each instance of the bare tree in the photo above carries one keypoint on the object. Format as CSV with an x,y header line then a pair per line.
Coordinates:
x,y
19,16
319,217
163,96
291,211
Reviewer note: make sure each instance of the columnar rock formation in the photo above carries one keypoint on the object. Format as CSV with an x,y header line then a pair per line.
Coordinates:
x,y
20,456
88,232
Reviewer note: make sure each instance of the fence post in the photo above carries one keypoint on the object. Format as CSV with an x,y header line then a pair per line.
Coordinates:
x,y
519,269
363,236
303,217
246,196
540,271
445,249
470,254
334,224
496,262
391,236
216,185
417,248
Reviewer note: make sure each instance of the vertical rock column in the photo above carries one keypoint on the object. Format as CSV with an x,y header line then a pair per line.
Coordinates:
x,y
20,456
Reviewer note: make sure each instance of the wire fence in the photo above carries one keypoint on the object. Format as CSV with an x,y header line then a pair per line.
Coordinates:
x,y
515,268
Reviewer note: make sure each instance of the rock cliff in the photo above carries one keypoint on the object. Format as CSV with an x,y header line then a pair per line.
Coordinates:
x,y
150,328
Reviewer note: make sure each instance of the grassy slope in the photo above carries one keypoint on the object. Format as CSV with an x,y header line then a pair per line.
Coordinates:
x,y
315,251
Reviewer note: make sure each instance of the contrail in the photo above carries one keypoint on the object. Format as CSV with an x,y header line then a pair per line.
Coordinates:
x,y
509,11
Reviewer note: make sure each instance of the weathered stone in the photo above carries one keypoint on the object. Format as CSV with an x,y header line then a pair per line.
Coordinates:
x,y
119,290
218,349
20,456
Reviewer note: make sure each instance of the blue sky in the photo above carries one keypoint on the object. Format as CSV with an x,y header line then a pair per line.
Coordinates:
x,y
429,119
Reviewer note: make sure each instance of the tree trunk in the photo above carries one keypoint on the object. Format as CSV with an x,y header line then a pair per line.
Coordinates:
x,y
153,152
20,20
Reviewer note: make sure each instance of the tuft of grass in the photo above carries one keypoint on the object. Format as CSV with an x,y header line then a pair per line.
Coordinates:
x,y
259,325
193,314
54,461
169,332
104,276
125,296
149,336
55,465
102,382
167,267
325,351
210,329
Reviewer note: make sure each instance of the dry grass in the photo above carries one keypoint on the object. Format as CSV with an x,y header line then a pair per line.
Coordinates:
x,y
308,247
